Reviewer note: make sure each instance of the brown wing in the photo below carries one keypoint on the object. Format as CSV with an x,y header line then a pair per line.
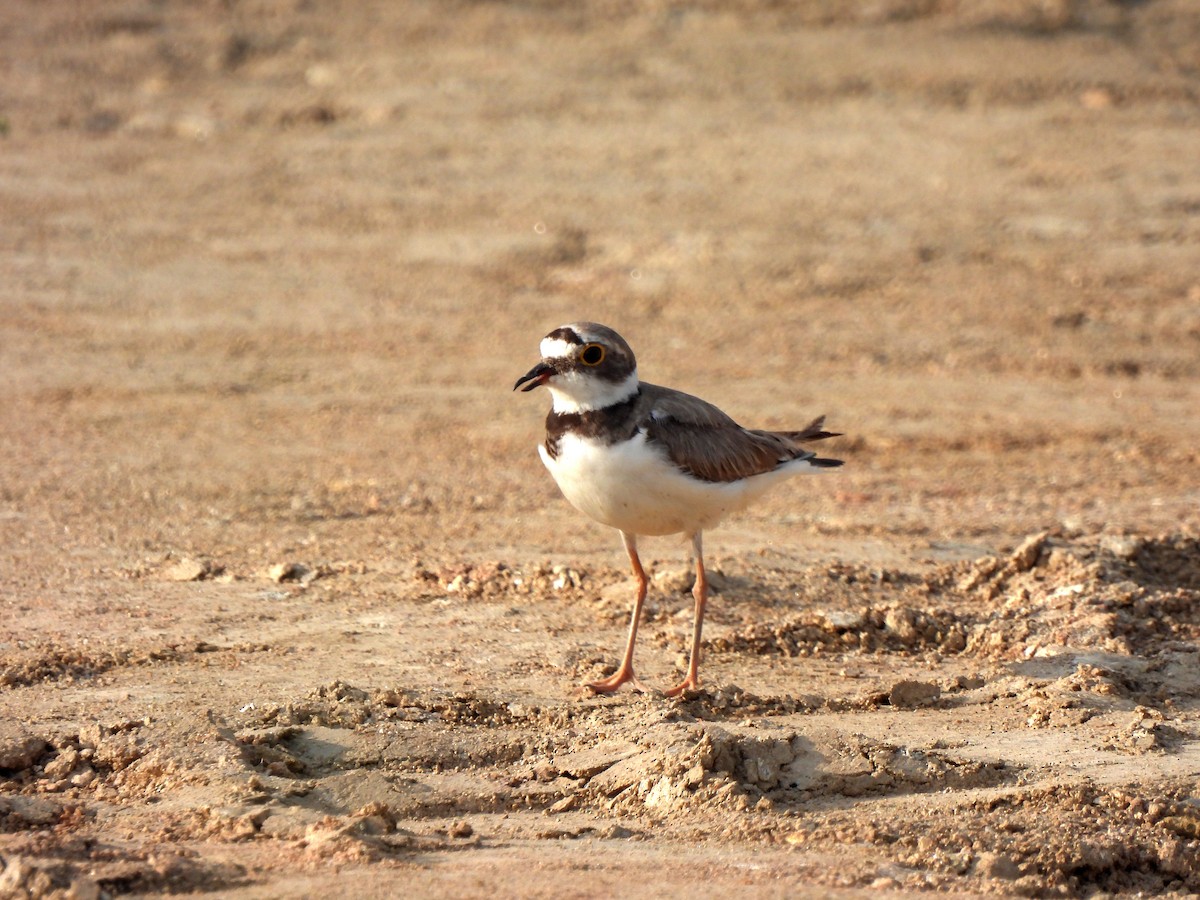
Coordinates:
x,y
704,441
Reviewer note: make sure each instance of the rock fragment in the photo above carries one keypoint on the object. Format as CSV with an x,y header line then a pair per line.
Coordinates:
x,y
1026,556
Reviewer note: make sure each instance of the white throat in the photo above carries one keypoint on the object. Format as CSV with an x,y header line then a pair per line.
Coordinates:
x,y
579,392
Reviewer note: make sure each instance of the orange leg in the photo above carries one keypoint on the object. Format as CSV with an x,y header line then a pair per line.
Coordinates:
x,y
625,672
700,592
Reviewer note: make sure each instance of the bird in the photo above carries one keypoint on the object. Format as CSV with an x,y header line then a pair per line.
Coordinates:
x,y
649,460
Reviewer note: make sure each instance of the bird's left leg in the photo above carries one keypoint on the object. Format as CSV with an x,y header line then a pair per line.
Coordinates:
x,y
700,592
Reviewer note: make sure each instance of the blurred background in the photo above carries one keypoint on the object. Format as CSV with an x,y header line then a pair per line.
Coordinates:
x,y
270,268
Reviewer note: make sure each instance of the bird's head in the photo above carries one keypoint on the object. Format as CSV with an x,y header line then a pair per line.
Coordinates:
x,y
585,366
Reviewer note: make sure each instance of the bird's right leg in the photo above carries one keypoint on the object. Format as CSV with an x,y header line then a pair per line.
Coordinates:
x,y
625,672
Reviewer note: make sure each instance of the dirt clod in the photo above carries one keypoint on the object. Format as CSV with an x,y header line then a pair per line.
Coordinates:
x,y
911,694
18,748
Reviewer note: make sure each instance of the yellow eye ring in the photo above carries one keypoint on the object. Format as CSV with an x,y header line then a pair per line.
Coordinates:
x,y
592,355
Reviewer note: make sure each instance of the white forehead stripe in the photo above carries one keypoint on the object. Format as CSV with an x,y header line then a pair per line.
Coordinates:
x,y
556,348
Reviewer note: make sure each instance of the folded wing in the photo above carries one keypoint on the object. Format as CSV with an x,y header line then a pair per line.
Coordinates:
x,y
702,440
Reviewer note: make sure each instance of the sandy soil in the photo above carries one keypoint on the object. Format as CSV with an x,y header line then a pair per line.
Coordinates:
x,y
291,607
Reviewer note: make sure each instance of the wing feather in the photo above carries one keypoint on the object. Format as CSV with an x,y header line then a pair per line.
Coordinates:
x,y
701,439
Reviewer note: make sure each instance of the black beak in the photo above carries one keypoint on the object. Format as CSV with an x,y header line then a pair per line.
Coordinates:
x,y
538,375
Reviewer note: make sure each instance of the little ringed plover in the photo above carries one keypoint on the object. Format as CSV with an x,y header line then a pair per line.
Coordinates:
x,y
650,460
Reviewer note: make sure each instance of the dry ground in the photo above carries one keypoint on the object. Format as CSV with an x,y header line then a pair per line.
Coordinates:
x,y
292,609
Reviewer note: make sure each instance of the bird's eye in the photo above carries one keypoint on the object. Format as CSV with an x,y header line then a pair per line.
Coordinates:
x,y
592,355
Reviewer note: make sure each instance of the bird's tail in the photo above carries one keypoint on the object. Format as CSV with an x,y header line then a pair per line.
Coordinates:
x,y
821,463
814,431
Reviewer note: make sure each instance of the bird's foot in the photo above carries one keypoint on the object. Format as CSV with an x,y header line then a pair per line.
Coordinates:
x,y
688,685
613,682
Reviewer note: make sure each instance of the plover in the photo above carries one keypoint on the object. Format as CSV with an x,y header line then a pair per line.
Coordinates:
x,y
650,460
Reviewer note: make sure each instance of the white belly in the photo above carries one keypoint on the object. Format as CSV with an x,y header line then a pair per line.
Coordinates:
x,y
634,487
